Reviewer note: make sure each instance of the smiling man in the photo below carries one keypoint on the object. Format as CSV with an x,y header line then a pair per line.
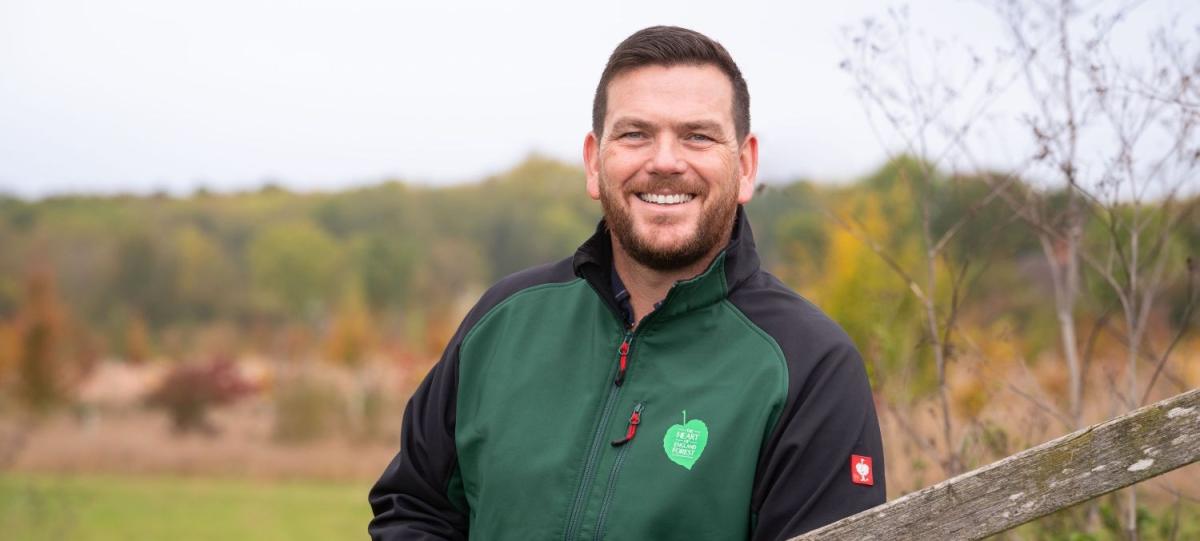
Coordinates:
x,y
659,384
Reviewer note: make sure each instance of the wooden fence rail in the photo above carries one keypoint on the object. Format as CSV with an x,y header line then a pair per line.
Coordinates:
x,y
1063,472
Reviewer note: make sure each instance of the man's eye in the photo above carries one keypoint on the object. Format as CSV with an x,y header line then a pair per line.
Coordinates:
x,y
699,138
633,135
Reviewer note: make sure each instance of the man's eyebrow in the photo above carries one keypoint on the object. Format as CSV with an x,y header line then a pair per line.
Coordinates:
x,y
700,125
631,123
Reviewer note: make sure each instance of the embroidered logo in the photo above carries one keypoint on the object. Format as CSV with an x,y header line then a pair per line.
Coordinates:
x,y
860,470
685,443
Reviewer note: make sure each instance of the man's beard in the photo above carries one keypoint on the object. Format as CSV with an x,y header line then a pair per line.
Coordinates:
x,y
712,229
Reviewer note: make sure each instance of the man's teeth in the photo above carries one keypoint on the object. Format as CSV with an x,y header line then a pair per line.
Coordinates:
x,y
661,199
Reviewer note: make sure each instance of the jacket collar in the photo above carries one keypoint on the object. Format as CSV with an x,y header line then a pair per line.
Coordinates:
x,y
731,267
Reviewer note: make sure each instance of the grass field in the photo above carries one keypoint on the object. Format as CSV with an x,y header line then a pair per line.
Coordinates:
x,y
94,508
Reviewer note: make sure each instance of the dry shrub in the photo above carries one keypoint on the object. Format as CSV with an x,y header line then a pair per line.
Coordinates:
x,y
307,408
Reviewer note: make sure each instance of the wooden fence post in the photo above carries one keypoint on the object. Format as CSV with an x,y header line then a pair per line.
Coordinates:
x,y
1060,473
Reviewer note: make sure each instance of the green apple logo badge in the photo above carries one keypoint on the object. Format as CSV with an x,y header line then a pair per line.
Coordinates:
x,y
684,443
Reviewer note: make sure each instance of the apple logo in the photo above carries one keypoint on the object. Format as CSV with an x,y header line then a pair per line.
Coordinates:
x,y
684,443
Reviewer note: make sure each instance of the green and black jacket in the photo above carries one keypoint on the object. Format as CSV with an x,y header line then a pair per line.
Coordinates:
x,y
733,411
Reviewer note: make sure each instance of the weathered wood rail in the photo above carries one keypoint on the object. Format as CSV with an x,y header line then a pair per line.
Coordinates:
x,y
1074,468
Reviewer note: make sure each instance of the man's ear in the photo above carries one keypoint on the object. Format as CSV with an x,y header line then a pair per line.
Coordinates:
x,y
747,168
591,164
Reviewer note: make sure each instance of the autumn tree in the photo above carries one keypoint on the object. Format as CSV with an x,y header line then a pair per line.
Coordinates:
x,y
44,369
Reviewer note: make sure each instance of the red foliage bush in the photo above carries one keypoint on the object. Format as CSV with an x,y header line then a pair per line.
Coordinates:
x,y
190,391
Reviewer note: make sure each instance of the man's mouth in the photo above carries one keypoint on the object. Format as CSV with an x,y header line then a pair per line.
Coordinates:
x,y
665,199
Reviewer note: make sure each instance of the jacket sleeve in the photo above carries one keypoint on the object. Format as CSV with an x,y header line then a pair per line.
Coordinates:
x,y
420,495
804,473
415,498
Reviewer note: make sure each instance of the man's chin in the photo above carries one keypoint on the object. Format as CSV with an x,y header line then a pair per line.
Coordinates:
x,y
665,253
665,234
665,243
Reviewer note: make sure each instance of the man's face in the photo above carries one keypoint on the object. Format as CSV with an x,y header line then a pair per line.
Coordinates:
x,y
668,169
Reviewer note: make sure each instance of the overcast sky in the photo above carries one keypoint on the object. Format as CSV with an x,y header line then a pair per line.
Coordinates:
x,y
143,95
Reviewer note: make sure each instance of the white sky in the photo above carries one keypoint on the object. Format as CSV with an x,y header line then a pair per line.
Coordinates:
x,y
142,95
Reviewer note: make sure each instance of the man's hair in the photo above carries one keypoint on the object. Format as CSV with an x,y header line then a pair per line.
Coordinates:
x,y
671,46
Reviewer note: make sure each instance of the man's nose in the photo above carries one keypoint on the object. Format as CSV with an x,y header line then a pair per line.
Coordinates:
x,y
667,158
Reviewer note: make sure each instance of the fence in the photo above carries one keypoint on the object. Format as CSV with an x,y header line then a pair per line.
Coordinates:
x,y
1075,468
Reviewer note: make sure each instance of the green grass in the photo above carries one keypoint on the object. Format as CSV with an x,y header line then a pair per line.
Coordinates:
x,y
93,507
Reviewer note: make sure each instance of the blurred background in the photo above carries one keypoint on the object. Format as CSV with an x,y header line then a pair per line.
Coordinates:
x,y
234,236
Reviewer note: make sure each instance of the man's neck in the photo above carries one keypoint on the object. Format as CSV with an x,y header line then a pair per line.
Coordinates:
x,y
647,286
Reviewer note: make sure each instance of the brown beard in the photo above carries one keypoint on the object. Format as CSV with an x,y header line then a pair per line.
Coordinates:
x,y
712,229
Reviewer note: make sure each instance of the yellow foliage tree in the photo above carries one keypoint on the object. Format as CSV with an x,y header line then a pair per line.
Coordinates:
x,y
10,350
352,333
137,340
866,297
43,373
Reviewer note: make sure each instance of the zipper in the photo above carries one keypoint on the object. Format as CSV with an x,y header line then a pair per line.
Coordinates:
x,y
635,419
624,362
575,520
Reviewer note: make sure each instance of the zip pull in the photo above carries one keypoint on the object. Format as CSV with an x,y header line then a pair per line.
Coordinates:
x,y
624,362
634,420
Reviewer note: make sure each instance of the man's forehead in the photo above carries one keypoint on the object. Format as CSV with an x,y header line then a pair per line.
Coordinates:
x,y
685,92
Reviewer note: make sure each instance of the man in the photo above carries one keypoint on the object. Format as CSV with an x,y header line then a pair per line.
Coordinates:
x,y
659,384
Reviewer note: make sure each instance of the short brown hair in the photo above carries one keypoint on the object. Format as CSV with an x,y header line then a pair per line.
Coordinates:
x,y
670,46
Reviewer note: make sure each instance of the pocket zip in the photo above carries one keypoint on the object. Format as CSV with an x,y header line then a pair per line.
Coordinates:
x,y
634,420
622,446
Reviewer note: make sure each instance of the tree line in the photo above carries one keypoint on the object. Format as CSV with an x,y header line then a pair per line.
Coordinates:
x,y
140,277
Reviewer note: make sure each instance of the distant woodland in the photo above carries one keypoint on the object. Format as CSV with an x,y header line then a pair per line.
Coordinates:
x,y
391,267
